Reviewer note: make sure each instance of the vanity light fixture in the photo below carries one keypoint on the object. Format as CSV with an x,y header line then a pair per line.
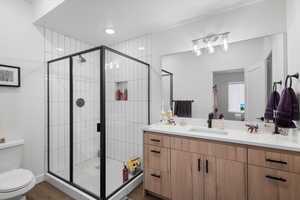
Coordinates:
x,y
210,42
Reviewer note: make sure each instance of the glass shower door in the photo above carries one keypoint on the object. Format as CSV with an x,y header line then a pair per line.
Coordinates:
x,y
127,112
59,118
86,116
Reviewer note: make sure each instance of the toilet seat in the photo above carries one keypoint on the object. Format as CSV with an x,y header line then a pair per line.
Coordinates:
x,y
15,183
15,180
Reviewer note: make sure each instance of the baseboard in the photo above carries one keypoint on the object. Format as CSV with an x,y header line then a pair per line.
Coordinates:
x,y
40,178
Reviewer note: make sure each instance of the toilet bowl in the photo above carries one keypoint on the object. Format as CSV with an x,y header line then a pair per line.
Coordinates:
x,y
15,183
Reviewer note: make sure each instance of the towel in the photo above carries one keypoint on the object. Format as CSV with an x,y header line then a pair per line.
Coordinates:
x,y
183,109
287,110
272,105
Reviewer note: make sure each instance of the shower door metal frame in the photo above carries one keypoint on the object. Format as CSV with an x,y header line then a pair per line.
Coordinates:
x,y
102,131
167,73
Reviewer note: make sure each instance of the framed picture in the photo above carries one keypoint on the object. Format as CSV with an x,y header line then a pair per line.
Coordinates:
x,y
10,76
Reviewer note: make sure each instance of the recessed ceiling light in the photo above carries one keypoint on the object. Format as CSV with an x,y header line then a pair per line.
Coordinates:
x,y
110,31
141,48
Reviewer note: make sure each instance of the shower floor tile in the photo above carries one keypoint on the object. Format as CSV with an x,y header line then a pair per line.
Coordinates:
x,y
87,175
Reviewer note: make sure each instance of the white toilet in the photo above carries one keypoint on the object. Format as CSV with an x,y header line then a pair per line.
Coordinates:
x,y
14,182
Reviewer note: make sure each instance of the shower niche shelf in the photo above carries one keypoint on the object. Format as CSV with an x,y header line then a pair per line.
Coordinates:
x,y
121,92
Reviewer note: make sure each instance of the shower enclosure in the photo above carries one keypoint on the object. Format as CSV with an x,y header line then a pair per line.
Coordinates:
x,y
98,101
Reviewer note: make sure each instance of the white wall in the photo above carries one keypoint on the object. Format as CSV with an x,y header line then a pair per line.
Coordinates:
x,y
293,32
22,109
19,38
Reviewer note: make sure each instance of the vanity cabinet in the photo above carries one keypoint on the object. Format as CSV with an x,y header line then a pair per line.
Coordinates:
x,y
197,169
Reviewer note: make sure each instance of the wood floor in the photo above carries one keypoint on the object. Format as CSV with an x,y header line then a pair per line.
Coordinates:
x,y
45,191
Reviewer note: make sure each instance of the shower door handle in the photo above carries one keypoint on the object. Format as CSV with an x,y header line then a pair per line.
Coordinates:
x,y
98,127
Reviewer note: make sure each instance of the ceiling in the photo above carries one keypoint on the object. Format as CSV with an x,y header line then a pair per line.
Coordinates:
x,y
86,20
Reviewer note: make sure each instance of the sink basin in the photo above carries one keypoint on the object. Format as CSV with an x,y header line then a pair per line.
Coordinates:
x,y
208,130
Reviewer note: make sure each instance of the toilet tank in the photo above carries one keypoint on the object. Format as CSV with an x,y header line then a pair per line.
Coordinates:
x,y
11,153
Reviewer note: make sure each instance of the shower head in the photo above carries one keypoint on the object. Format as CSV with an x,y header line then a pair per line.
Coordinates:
x,y
81,59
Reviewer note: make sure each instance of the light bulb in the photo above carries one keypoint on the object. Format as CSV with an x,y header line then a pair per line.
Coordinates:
x,y
198,52
211,49
196,48
225,43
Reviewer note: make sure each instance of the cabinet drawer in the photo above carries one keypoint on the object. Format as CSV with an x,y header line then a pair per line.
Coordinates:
x,y
158,182
157,158
265,183
281,160
157,139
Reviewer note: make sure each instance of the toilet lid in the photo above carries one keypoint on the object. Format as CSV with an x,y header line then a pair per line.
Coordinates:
x,y
15,179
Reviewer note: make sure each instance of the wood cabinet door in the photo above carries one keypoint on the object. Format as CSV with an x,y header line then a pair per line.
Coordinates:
x,y
260,187
210,178
288,186
181,175
231,180
198,177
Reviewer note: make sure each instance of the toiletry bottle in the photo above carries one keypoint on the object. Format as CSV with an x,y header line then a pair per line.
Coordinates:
x,y
118,95
125,95
125,173
162,115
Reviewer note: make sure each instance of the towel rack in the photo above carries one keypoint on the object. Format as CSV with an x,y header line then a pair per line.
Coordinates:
x,y
183,100
275,85
290,77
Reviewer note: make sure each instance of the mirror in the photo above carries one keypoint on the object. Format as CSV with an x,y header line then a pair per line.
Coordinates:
x,y
233,84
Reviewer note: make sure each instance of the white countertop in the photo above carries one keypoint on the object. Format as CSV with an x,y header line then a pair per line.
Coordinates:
x,y
240,136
